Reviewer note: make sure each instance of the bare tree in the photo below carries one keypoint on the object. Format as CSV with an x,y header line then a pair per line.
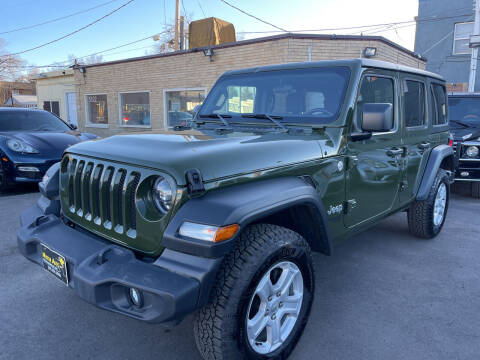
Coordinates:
x,y
92,59
11,66
167,37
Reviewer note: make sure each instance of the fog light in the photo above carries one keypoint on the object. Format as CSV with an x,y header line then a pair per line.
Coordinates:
x,y
136,297
464,174
28,169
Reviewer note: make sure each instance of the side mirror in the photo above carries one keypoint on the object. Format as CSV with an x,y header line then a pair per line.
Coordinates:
x,y
73,126
377,117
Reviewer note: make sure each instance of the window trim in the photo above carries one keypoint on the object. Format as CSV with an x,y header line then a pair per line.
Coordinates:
x,y
425,114
119,99
462,38
394,79
435,102
165,110
87,118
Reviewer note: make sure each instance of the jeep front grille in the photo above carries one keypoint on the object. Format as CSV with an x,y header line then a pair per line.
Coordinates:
x,y
102,194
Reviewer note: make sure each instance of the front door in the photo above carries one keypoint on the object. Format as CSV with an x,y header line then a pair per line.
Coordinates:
x,y
72,108
375,165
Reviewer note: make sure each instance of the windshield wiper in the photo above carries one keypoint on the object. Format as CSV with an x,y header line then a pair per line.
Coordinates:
x,y
272,118
218,116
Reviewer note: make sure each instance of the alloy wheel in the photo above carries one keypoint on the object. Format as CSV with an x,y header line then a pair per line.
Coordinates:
x,y
440,205
274,307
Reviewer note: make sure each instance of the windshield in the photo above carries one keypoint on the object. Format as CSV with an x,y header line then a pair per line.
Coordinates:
x,y
311,96
22,120
466,110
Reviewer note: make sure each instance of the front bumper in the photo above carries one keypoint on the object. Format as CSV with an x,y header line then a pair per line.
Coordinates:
x,y
102,273
14,174
467,169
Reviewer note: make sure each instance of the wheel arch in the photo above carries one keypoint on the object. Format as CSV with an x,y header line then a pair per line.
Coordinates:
x,y
290,202
441,157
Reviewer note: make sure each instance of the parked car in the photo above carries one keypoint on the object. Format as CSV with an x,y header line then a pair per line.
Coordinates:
x,y
222,219
465,125
179,119
31,141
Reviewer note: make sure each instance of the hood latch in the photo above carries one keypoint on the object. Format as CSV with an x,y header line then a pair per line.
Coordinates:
x,y
194,182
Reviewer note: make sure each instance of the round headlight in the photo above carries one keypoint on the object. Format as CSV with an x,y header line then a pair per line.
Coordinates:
x,y
162,194
472,151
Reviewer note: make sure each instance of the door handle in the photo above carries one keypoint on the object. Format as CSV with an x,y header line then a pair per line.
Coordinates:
x,y
394,152
424,145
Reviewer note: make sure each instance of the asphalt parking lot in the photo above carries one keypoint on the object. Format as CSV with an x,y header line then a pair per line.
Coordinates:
x,y
383,295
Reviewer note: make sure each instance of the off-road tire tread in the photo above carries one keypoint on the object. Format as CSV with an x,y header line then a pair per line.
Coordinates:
x,y
420,213
254,243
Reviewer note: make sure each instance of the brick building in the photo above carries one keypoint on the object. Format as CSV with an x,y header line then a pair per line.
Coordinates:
x,y
158,91
56,93
12,88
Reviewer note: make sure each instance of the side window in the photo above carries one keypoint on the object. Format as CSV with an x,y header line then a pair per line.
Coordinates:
x,y
440,98
376,90
414,103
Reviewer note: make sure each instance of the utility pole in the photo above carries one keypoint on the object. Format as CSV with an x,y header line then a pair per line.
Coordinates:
x,y
474,44
177,8
182,33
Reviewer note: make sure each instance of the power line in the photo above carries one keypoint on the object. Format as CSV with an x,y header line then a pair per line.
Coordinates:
x,y
72,33
184,11
56,19
165,14
66,65
253,16
57,64
201,8
413,22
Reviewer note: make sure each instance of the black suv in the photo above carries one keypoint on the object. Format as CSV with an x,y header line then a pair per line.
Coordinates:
x,y
464,111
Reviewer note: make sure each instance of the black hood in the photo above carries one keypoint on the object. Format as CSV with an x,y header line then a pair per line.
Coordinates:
x,y
465,134
48,143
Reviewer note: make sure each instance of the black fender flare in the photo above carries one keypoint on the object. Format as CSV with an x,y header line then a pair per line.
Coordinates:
x,y
245,204
437,155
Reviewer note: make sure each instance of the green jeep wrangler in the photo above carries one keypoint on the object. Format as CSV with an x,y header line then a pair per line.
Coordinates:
x,y
221,217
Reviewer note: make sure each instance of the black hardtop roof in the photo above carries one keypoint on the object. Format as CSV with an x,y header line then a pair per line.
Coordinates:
x,y
348,62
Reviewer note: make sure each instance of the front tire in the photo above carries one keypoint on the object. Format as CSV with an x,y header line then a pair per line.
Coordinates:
x,y
262,297
426,218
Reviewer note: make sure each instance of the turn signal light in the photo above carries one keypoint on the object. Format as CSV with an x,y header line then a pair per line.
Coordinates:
x,y
208,232
226,232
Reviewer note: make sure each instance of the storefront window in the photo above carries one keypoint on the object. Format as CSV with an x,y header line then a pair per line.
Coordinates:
x,y
135,109
96,106
180,105
241,99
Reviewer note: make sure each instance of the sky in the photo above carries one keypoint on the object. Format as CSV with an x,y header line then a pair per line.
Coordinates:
x,y
143,18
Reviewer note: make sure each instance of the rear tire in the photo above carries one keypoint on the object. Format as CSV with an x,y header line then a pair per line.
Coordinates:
x,y
248,299
476,190
426,218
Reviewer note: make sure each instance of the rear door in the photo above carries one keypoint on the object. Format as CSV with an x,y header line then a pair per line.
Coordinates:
x,y
417,144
